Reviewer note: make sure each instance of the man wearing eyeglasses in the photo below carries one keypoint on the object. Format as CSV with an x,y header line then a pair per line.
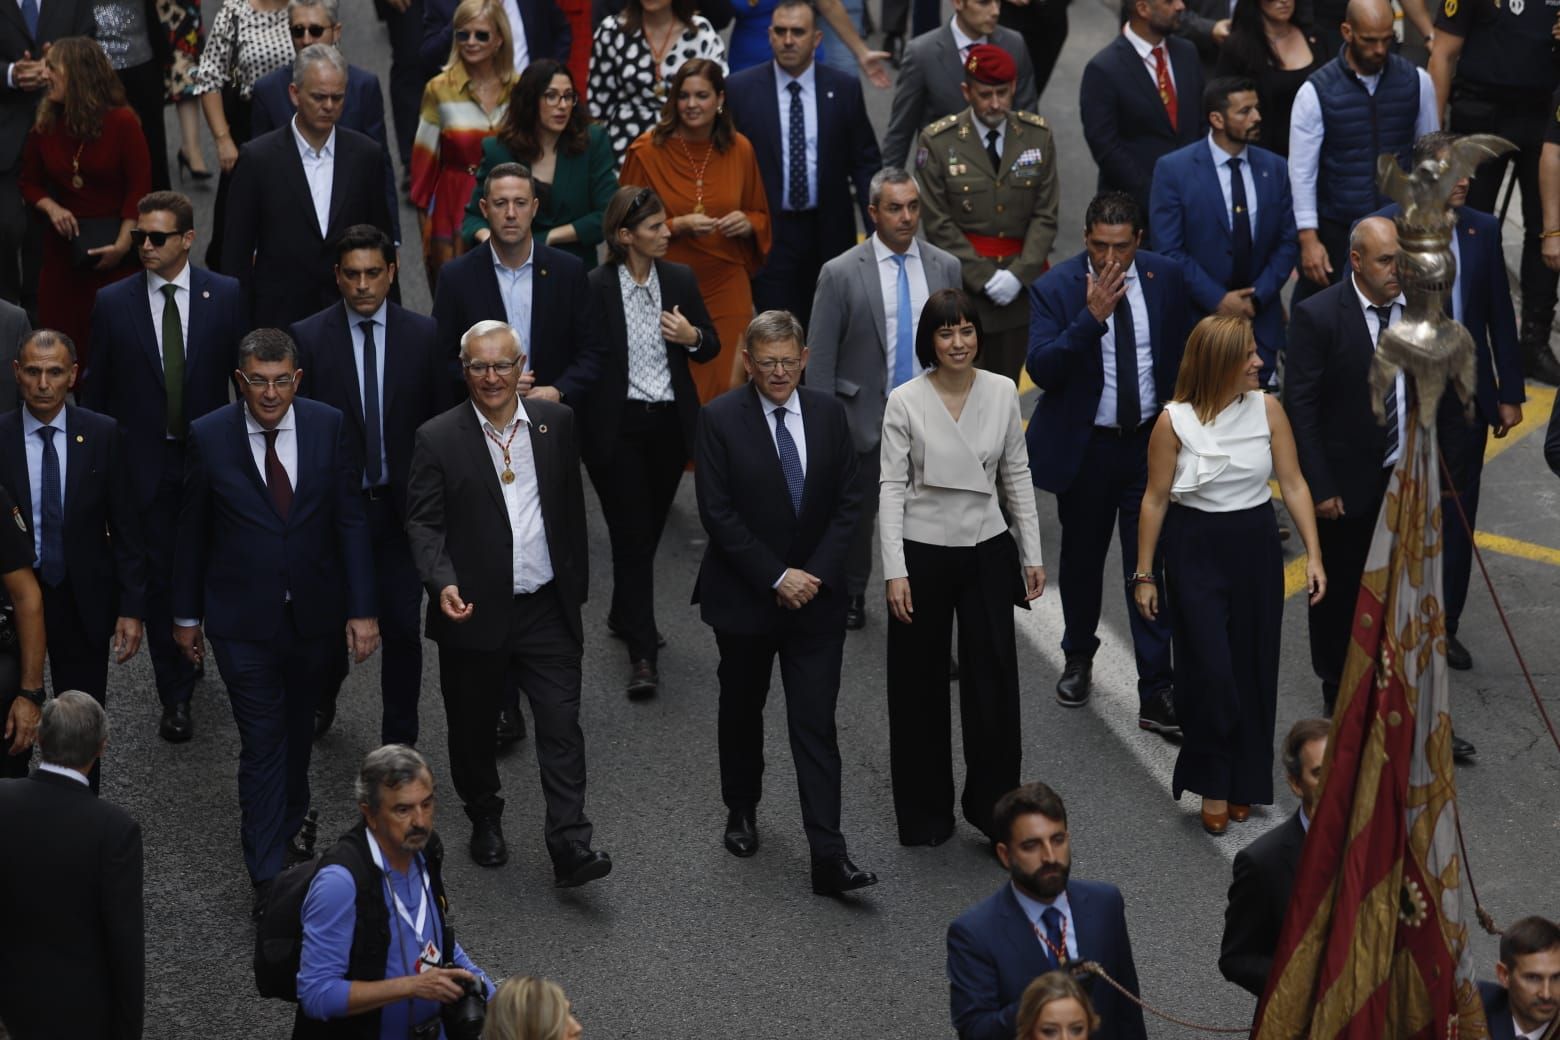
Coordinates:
x,y
272,559
495,512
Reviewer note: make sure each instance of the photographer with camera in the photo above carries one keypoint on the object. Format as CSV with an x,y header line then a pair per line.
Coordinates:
x,y
389,966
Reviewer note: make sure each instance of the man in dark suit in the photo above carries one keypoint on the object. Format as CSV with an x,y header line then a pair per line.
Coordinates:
x,y
1221,207
14,330
1265,869
273,560
772,583
294,190
71,873
495,513
68,468
1041,921
379,365
809,128
542,32
1141,98
177,327
363,110
1525,1000
1111,309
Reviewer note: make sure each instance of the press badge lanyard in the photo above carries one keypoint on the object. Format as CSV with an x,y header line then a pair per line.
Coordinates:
x,y
429,952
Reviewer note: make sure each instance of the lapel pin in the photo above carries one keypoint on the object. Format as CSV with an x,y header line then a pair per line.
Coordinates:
x,y
205,294
829,95
1150,274
543,271
542,428
80,439
1473,231
16,514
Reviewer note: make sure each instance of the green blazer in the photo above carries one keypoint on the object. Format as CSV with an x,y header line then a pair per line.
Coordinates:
x,y
581,188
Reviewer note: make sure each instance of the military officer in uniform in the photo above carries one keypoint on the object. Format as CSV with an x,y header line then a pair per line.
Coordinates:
x,y
988,196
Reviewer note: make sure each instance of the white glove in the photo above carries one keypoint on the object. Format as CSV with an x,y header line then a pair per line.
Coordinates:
x,y
1002,288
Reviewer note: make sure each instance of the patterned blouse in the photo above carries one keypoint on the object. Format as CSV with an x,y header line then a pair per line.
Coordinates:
x,y
649,374
623,87
243,45
448,148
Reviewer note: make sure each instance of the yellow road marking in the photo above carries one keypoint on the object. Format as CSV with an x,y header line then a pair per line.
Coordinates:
x,y
1294,576
1535,416
1025,384
1499,543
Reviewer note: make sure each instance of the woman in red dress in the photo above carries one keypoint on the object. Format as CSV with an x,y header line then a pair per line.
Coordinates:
x,y
84,168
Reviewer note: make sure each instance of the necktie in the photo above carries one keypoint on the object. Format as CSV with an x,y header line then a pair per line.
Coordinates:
x,y
51,558
30,16
904,335
1055,934
1390,409
276,476
173,361
790,461
1166,86
373,433
797,186
991,150
1129,406
1240,228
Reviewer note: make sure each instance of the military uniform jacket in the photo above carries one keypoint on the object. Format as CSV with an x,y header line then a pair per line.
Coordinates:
x,y
961,195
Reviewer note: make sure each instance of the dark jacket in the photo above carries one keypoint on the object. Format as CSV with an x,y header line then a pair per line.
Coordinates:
x,y
1259,899
56,20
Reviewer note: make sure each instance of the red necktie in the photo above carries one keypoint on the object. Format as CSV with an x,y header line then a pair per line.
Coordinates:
x,y
276,476
1166,85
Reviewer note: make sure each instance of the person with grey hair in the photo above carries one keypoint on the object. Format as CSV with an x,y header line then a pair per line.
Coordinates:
x,y
499,470
273,560
862,340
772,583
375,966
72,871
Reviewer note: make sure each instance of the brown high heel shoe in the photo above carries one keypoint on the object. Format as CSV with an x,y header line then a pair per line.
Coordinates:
x,y
1239,813
1215,822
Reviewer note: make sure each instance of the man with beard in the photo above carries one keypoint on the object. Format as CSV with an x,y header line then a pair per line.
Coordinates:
x,y
1042,920
1526,1000
1221,206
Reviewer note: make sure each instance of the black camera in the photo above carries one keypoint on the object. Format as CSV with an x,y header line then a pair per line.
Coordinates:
x,y
464,1016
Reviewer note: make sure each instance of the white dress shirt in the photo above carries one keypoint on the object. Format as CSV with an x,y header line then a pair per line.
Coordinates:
x,y
381,352
808,82
81,778
181,301
33,444
963,42
1145,51
1148,396
793,425
1221,166
319,169
1372,326
1033,908
1516,1029
517,30
888,279
514,285
286,444
530,563
1306,130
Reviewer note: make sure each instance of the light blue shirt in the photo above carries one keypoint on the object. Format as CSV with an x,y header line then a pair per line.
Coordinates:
x,y
354,326
1033,908
514,285
34,445
1457,307
1221,165
808,82
1105,414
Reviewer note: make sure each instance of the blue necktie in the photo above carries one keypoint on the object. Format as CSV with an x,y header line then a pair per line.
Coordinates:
x,y
1240,230
797,188
904,335
51,560
30,16
1129,406
1052,917
373,435
790,461
1390,404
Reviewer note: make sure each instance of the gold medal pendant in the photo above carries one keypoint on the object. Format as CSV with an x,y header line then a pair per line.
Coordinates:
x,y
77,183
698,207
508,476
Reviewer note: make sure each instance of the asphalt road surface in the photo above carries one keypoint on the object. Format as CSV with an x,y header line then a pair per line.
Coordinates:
x,y
684,941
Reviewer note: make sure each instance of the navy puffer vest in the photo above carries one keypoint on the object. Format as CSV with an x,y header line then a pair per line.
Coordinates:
x,y
1359,127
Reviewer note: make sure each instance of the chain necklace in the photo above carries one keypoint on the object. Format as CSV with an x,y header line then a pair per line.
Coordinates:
x,y
508,476
698,172
75,168
658,53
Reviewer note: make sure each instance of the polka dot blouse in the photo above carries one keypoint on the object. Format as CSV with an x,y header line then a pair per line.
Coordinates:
x,y
623,87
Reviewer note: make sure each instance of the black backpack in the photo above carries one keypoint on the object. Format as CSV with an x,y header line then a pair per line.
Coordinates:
x,y
279,933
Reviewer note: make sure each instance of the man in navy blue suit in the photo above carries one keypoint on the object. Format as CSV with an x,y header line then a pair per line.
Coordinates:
x,y
1111,310
1221,206
540,27
1525,1002
177,327
379,365
272,559
1042,920
810,132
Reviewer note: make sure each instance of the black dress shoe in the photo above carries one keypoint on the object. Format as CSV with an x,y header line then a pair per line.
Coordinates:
x,y
1462,750
835,876
177,727
1072,689
257,907
856,614
324,715
617,633
1457,656
931,841
580,865
511,727
741,833
1157,715
300,847
487,842
644,682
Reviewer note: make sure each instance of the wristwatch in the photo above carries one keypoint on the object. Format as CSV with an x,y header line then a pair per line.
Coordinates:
x,y
36,696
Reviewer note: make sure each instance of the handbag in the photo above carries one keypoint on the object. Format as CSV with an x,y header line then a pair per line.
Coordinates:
x,y
92,233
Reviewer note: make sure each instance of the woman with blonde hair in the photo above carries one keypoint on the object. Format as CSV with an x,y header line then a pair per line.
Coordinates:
x,y
1209,458
1055,1007
529,1008
461,108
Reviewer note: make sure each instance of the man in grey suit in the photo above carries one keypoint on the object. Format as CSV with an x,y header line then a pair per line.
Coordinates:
x,y
932,73
862,340
14,328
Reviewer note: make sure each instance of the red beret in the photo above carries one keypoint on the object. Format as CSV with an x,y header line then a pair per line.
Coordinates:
x,y
990,64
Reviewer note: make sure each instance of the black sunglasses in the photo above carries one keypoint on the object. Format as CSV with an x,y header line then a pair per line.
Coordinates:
x,y
300,31
480,35
644,196
158,238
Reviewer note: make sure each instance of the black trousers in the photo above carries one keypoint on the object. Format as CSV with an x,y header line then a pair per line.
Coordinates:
x,y
636,484
1335,239
1043,25
978,584
406,74
1107,493
858,556
145,92
1462,446
544,653
173,672
240,113
790,273
897,12
810,673
1345,543
78,659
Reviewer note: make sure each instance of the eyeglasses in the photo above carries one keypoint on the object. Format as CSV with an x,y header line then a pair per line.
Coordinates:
x,y
314,31
465,35
567,97
261,383
158,239
482,368
789,364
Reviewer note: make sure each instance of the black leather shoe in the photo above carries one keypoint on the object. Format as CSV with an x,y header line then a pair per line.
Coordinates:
x,y
1457,656
177,727
617,633
856,614
300,847
324,715
1072,689
1157,715
257,907
487,842
838,875
741,833
581,865
1462,750
1538,362
644,683
511,727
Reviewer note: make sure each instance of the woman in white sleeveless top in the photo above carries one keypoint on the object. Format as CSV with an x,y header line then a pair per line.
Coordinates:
x,y
1209,458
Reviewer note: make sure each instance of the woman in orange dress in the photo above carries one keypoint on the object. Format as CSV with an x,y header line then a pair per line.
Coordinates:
x,y
706,174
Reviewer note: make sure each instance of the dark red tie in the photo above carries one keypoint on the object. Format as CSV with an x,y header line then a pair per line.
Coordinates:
x,y
276,476
1166,86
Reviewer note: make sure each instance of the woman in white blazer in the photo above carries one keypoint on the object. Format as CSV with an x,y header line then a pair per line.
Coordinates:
x,y
952,458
